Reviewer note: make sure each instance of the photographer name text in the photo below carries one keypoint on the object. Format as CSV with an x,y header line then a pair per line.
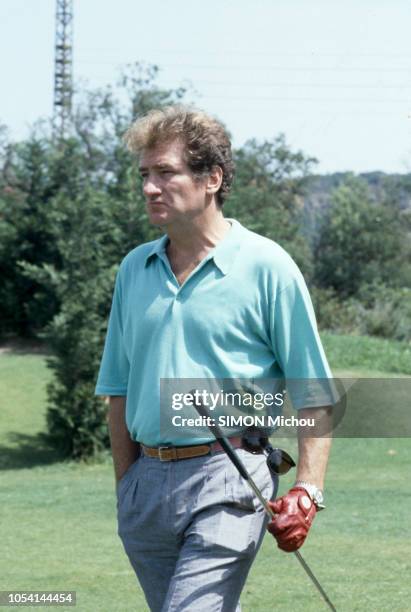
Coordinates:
x,y
242,421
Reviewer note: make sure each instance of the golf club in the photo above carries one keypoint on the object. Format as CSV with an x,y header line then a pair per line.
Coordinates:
x,y
235,459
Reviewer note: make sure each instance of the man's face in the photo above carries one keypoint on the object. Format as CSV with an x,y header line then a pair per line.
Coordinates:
x,y
172,193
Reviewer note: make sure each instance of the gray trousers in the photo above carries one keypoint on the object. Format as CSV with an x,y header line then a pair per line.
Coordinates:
x,y
192,528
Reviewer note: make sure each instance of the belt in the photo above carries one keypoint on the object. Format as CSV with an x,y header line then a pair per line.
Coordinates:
x,y
175,453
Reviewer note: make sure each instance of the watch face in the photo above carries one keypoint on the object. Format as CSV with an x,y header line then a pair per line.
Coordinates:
x,y
319,497
306,502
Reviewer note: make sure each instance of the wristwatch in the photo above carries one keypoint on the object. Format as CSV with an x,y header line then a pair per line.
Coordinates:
x,y
314,492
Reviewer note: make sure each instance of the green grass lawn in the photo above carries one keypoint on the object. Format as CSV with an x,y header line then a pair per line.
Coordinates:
x,y
58,523
367,355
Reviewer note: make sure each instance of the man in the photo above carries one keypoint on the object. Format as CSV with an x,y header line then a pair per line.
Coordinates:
x,y
209,300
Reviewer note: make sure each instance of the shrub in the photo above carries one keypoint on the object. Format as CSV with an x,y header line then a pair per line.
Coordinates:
x,y
377,311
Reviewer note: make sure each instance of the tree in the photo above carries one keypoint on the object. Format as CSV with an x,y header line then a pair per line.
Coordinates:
x,y
359,242
27,185
83,284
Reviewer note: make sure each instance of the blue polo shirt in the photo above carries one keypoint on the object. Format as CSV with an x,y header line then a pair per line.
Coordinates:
x,y
244,312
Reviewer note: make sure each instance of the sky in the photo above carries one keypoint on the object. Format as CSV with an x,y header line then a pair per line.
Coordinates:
x,y
334,77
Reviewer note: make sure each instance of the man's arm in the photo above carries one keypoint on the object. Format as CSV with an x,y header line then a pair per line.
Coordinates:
x,y
313,448
124,450
295,510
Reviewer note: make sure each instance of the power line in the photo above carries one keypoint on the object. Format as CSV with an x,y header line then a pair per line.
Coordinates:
x,y
293,84
308,99
267,67
248,53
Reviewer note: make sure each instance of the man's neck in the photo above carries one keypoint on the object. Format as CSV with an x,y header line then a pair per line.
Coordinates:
x,y
196,237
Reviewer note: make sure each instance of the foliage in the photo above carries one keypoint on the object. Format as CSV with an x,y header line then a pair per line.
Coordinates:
x,y
359,242
384,311
27,184
332,313
377,310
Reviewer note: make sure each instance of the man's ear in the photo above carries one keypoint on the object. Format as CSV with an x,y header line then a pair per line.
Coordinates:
x,y
214,180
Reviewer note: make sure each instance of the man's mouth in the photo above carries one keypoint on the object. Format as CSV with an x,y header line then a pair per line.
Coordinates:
x,y
153,204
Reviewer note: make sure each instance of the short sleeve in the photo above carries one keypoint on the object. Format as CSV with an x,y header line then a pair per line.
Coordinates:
x,y
114,367
297,347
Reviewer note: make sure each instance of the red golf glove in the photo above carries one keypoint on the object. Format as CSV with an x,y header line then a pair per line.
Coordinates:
x,y
295,514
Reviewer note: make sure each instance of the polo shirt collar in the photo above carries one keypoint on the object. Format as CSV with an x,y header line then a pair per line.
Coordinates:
x,y
158,248
224,253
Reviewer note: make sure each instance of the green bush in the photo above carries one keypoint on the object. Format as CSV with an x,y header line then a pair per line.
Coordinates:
x,y
385,312
333,313
76,420
377,311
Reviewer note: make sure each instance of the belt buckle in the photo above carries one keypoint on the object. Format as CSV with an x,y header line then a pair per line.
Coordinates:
x,y
168,449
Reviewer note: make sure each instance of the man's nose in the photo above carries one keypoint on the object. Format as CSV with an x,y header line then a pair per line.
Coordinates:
x,y
151,187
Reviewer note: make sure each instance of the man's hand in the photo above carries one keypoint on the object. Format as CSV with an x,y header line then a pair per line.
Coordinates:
x,y
295,513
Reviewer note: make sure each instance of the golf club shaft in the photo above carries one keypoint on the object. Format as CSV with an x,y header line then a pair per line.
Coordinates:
x,y
242,469
235,459
314,579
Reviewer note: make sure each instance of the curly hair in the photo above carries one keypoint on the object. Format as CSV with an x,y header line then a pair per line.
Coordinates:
x,y
207,143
